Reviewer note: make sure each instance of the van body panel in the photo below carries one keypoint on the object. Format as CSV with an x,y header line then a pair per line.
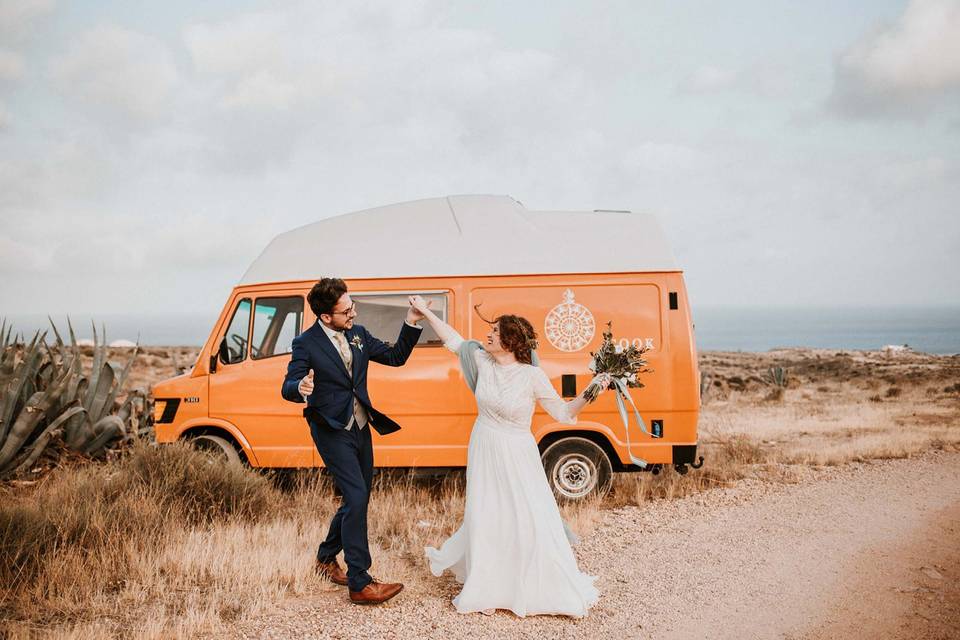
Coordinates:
x,y
428,396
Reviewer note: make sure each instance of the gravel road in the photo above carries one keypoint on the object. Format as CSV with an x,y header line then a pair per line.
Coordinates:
x,y
866,550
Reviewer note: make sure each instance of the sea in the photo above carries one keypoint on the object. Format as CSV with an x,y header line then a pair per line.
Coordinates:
x,y
927,329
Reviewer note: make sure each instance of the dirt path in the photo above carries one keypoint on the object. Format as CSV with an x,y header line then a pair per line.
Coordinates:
x,y
862,551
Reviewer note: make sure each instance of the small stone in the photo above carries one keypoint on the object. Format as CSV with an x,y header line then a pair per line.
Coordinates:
x,y
930,572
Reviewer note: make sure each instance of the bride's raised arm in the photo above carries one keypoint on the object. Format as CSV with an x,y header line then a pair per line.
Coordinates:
x,y
451,339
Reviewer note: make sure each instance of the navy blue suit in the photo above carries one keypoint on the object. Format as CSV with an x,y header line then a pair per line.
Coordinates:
x,y
348,455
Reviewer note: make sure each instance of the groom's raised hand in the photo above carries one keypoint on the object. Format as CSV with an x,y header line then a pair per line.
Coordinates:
x,y
306,384
417,307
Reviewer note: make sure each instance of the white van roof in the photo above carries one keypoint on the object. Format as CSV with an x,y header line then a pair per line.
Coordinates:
x,y
465,235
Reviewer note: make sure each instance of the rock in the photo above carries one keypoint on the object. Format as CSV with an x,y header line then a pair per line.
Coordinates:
x,y
930,572
906,589
123,344
895,349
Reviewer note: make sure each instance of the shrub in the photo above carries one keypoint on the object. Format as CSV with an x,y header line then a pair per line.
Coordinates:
x,y
98,510
201,489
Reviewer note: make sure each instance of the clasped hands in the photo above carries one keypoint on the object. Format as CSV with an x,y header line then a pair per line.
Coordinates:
x,y
602,380
418,308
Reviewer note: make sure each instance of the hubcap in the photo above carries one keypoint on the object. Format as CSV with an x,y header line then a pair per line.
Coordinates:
x,y
574,476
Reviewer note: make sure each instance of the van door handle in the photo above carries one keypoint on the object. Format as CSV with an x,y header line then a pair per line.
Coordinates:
x,y
568,385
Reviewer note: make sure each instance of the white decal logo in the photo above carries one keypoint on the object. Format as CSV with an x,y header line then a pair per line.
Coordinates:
x,y
569,326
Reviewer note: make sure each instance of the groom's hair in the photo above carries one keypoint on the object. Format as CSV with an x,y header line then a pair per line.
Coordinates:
x,y
518,336
324,295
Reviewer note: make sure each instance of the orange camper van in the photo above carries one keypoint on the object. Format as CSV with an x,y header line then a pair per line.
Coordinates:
x,y
568,272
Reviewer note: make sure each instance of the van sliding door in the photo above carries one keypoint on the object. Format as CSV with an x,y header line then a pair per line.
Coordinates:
x,y
426,396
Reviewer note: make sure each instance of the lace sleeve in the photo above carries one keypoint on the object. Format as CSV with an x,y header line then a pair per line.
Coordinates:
x,y
549,399
454,343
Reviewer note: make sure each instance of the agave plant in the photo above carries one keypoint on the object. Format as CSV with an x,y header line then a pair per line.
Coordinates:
x,y
45,396
777,376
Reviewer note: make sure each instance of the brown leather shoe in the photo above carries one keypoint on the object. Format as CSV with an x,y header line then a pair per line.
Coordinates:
x,y
332,571
375,593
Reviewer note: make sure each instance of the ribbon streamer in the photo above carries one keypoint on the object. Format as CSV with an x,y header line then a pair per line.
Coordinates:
x,y
621,393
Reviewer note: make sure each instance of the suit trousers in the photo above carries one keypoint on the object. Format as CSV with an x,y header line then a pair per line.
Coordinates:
x,y
348,456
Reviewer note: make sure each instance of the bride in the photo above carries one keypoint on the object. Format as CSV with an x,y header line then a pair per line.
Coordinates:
x,y
512,550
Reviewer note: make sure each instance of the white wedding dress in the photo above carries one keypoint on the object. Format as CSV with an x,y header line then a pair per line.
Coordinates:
x,y
512,551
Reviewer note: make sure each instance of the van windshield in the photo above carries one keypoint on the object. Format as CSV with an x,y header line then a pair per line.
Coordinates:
x,y
236,337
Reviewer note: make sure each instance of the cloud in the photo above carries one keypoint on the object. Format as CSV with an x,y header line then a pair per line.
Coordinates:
x,y
117,71
11,65
762,78
17,16
169,164
20,257
707,79
4,119
905,69
339,76
262,90
665,158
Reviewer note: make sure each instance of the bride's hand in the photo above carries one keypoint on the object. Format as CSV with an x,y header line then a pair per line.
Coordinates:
x,y
418,303
602,380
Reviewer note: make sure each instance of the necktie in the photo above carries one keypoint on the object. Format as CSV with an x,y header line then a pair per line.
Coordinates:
x,y
359,413
344,350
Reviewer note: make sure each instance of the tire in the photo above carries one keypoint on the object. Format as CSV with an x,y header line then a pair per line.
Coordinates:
x,y
577,469
219,448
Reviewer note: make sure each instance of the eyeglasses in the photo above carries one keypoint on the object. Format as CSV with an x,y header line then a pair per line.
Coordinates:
x,y
352,309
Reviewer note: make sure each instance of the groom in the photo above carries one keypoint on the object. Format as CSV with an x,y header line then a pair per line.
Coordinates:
x,y
328,371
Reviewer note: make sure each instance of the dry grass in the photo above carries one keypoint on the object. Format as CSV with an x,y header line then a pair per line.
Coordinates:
x,y
91,539
163,544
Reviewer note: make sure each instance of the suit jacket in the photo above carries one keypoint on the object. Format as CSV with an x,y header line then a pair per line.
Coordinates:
x,y
333,388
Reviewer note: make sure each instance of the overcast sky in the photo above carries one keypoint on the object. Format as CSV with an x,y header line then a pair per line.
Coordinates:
x,y
796,152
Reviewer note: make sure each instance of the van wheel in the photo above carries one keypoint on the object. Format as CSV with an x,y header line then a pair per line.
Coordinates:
x,y
218,448
577,468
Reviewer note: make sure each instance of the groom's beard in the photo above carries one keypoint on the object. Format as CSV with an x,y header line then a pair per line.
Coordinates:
x,y
342,326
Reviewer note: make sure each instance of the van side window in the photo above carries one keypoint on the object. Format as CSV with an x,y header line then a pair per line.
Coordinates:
x,y
382,314
236,336
276,322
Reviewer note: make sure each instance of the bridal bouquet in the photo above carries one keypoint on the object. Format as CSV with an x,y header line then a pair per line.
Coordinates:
x,y
623,365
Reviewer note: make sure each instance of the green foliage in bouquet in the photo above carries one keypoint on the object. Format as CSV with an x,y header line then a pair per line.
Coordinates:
x,y
625,364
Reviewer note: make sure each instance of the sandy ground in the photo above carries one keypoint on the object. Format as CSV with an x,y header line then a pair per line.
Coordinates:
x,y
868,550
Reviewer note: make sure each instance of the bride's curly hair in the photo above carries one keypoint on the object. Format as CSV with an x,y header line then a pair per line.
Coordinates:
x,y
517,335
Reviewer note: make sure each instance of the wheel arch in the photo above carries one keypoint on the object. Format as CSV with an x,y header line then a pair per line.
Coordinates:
x,y
224,430
596,436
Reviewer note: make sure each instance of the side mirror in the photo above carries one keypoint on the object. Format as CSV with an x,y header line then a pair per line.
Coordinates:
x,y
224,351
